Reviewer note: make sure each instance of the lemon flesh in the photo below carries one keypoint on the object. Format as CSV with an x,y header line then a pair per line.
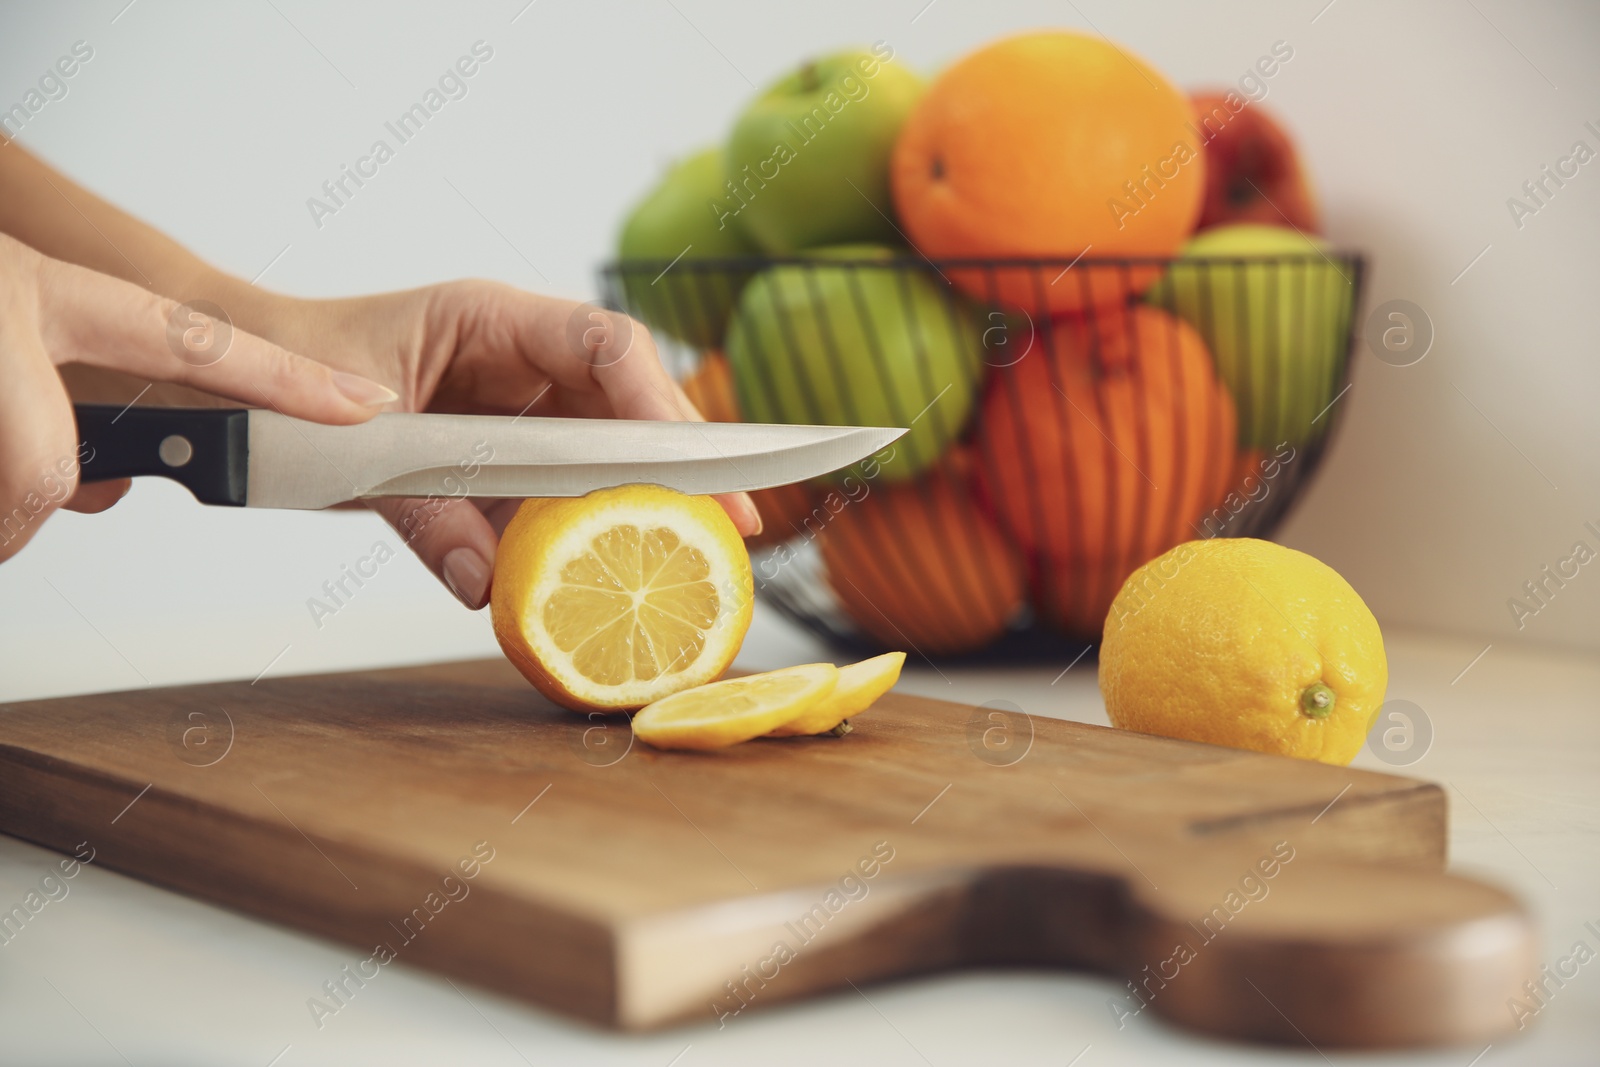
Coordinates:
x,y
725,713
634,605
615,599
860,685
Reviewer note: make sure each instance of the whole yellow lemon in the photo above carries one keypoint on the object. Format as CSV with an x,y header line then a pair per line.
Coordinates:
x,y
1244,643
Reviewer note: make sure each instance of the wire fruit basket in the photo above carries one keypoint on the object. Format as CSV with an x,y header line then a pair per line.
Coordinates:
x,y
1046,458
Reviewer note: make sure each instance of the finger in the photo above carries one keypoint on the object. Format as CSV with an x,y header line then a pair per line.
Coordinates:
x,y
90,318
38,441
628,369
499,512
584,350
94,497
739,506
743,511
451,537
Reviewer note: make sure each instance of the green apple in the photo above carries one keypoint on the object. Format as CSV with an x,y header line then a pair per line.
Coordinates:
x,y
673,221
1275,309
854,337
799,148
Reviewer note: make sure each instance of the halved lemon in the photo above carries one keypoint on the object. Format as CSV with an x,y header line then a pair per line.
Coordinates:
x,y
616,599
737,709
860,684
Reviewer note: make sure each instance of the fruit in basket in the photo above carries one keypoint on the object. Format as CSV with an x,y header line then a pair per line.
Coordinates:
x,y
1248,644
1049,144
674,221
724,713
1248,491
856,338
860,685
783,508
1277,327
1253,173
801,146
1100,449
615,599
918,564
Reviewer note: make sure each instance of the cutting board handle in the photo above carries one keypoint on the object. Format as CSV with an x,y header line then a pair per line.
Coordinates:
x,y
206,450
1264,943
1241,943
1290,947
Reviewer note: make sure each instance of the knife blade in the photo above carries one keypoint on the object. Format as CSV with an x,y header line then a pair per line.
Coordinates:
x,y
257,458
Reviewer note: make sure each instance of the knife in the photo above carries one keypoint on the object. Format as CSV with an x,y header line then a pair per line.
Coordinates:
x,y
261,459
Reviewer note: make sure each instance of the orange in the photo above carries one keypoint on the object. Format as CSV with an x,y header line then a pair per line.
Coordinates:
x,y
1100,449
918,564
784,508
1236,508
710,388
1050,144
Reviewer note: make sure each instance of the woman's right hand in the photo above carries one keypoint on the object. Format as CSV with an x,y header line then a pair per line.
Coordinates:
x,y
54,313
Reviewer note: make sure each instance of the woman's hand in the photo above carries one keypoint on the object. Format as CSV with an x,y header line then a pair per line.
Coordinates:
x,y
53,314
486,348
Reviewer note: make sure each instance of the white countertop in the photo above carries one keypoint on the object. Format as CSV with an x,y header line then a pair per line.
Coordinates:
x,y
122,972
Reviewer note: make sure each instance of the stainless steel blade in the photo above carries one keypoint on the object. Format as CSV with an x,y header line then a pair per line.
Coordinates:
x,y
297,464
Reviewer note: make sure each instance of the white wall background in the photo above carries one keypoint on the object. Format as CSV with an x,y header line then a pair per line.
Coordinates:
x,y
1455,480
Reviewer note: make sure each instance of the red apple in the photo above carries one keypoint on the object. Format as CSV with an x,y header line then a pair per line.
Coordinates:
x,y
1253,173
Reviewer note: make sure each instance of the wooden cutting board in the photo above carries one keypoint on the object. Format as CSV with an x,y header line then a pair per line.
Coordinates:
x,y
449,817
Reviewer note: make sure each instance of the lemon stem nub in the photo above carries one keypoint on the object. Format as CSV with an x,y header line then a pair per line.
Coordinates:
x,y
1317,701
808,78
842,729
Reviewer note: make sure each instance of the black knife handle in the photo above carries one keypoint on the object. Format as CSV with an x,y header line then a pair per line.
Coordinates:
x,y
206,450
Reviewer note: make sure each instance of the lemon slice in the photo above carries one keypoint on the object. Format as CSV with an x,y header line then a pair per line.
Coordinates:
x,y
737,709
860,684
616,599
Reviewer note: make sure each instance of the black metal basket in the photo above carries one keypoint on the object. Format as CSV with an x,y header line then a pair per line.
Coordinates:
x,y
1049,455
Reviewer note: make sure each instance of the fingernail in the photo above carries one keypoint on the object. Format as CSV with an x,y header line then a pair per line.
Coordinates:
x,y
467,575
754,515
363,391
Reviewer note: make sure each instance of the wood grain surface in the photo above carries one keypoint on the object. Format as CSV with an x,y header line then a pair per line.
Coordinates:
x,y
450,818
